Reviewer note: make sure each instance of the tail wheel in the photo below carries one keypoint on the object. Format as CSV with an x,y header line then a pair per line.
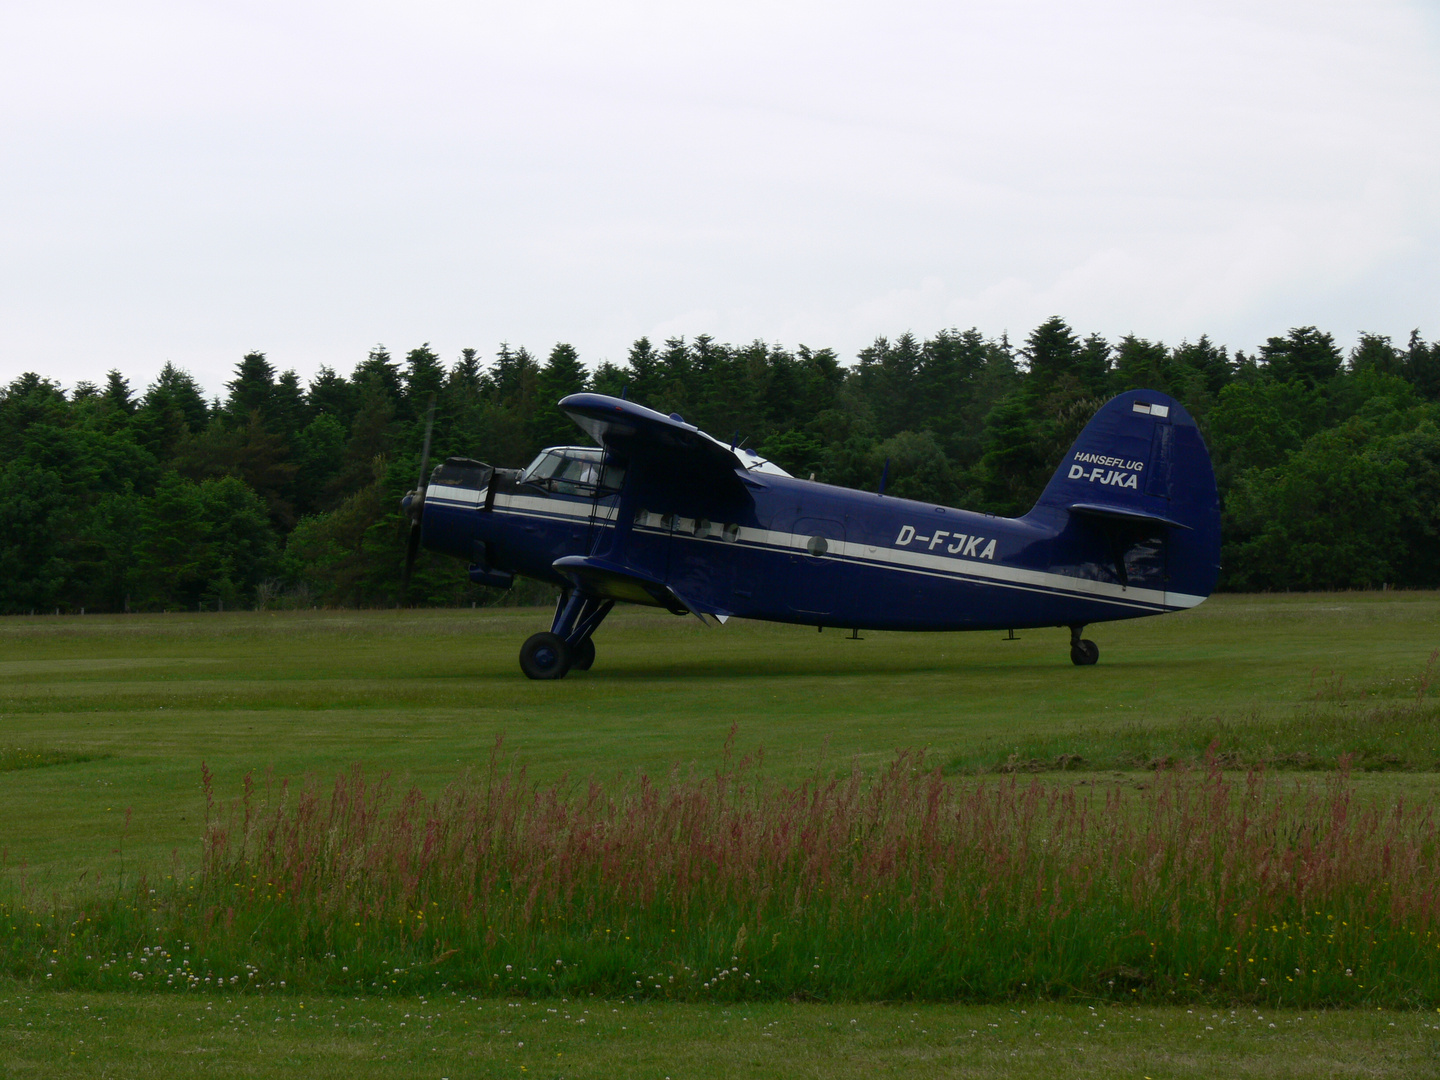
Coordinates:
x,y
1084,653
584,655
545,656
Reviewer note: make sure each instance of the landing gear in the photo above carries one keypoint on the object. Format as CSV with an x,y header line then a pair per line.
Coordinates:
x,y
1083,652
545,656
566,645
584,655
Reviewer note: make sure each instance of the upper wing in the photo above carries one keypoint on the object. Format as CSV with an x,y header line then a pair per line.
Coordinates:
x,y
664,446
629,430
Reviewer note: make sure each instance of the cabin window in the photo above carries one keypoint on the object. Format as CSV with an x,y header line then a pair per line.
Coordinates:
x,y
817,545
730,533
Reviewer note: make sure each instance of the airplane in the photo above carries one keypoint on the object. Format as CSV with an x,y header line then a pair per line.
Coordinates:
x,y
659,513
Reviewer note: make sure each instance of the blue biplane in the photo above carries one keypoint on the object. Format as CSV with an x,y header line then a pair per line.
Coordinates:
x,y
660,513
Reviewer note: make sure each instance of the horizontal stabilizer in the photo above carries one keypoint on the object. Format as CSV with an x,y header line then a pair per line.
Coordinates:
x,y
1124,513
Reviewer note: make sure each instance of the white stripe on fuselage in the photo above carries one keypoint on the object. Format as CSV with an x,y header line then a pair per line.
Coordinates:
x,y
886,558
526,505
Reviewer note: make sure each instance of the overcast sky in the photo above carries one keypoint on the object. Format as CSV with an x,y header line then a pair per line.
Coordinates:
x,y
191,181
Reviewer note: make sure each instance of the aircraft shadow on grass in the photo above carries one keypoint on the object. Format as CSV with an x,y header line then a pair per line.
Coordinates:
x,y
842,665
660,513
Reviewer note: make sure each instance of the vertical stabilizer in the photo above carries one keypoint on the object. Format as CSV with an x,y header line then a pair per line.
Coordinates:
x,y
1141,462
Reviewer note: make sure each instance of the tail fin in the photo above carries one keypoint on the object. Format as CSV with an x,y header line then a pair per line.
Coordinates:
x,y
1141,462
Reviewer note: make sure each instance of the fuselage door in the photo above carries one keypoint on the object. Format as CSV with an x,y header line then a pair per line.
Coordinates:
x,y
815,565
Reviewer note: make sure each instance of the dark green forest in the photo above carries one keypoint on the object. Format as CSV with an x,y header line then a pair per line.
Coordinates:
x,y
286,494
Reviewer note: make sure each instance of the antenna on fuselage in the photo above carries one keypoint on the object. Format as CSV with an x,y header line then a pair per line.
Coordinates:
x,y
625,392
884,475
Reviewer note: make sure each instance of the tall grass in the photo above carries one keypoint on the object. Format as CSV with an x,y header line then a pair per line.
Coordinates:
x,y
1193,885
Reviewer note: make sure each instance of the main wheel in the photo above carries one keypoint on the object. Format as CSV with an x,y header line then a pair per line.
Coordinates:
x,y
584,655
545,656
1084,653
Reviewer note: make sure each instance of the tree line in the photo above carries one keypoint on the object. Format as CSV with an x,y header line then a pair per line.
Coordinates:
x,y
286,493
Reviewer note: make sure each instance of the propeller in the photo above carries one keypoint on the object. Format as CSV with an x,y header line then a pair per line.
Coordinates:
x,y
415,504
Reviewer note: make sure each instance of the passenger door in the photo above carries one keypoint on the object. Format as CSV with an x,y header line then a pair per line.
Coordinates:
x,y
815,565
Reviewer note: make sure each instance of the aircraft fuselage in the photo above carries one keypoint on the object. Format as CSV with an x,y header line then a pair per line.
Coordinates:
x,y
661,513
811,553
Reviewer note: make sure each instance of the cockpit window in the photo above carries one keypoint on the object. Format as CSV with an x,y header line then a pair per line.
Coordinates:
x,y
574,470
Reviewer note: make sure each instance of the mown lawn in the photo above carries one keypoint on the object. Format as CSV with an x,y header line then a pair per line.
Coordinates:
x,y
46,1034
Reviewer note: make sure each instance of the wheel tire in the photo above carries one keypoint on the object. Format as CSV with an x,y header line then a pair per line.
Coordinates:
x,y
545,656
584,654
1084,653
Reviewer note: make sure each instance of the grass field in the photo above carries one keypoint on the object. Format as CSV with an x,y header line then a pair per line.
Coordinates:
x,y
142,1035
422,694
105,722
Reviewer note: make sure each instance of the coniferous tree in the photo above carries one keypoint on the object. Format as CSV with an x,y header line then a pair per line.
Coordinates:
x,y
318,454
889,374
1305,355
675,378
563,374
424,379
27,402
466,378
252,390
1052,352
289,409
950,365
609,379
34,572
370,440
642,372
1141,365
377,376
117,396
176,394
1092,367
513,375
1210,364
1422,366
1011,471
1374,352
330,394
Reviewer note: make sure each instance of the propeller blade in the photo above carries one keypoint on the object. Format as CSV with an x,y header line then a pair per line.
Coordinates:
x,y
417,505
422,483
412,549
